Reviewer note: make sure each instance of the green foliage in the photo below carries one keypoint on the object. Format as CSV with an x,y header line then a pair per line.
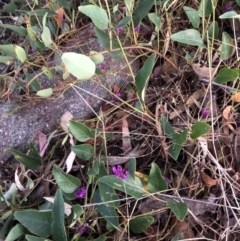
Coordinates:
x,y
179,209
192,16
199,129
84,151
226,47
225,74
140,224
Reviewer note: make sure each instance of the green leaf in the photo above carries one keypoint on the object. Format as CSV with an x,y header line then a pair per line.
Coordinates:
x,y
96,57
192,16
45,93
34,238
132,168
142,9
79,65
66,182
238,2
199,129
20,30
123,22
143,76
156,181
98,15
50,73
230,14
8,49
225,74
58,227
179,209
155,19
104,40
189,36
27,161
84,151
78,211
21,54
80,131
46,34
6,59
129,186
226,46
41,12
174,151
15,232
10,7
94,169
213,30
205,8
166,126
180,138
108,213
37,222
64,3
108,195
140,224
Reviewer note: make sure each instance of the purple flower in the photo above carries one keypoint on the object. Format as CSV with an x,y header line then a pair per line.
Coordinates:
x,y
168,181
124,8
227,7
136,29
135,102
102,67
205,112
119,29
83,228
117,96
118,172
81,192
32,50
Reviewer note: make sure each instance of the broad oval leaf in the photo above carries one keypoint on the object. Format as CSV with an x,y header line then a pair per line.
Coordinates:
x,y
129,186
199,129
96,57
66,182
98,15
213,30
142,9
58,226
15,232
155,19
179,209
143,76
192,16
156,181
189,36
205,8
46,34
45,93
37,222
225,74
226,46
230,14
20,30
123,22
79,65
84,151
80,131
34,238
140,224
28,161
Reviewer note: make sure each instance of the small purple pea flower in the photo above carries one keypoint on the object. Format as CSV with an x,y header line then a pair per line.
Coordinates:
x,y
81,192
120,29
83,228
117,96
205,112
136,29
102,67
124,8
227,7
168,181
118,172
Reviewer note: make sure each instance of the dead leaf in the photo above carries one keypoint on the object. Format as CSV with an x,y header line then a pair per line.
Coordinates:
x,y
203,72
227,112
70,160
126,142
236,97
67,116
67,207
208,180
59,17
198,94
167,68
183,227
42,143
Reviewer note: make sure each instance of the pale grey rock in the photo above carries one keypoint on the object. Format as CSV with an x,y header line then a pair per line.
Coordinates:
x,y
20,127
